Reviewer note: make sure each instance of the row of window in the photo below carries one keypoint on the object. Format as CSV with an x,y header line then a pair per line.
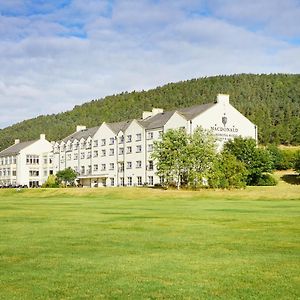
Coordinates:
x,y
111,167
7,172
8,160
88,145
129,181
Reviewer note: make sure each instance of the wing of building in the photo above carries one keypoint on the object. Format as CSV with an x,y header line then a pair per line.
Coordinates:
x,y
119,154
27,163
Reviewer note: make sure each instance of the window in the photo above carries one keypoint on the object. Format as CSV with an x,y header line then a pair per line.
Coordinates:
x,y
150,180
139,180
150,165
111,141
138,137
33,173
75,156
103,153
103,142
111,166
129,150
111,152
30,160
121,139
82,155
89,145
76,146
129,181
103,167
89,170
14,173
138,164
150,135
122,181
95,167
121,167
69,156
95,143
95,153
112,181
89,154
129,165
82,170
121,151
138,149
160,134
129,138
150,147
82,145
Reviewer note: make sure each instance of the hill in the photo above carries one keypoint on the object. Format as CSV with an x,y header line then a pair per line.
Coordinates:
x,y
270,101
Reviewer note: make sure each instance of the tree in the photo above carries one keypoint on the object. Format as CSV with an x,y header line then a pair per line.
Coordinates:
x,y
228,172
170,154
51,182
183,158
257,160
66,176
297,162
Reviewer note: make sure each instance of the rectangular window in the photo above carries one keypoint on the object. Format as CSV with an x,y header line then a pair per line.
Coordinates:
x,y
103,142
150,165
138,149
150,147
138,137
121,151
160,134
122,181
14,173
82,155
33,173
95,143
150,135
75,156
103,167
111,141
111,152
121,139
89,154
129,138
95,167
89,170
129,181
138,164
111,166
112,181
121,167
139,180
103,153
129,165
129,150
95,153
150,180
82,170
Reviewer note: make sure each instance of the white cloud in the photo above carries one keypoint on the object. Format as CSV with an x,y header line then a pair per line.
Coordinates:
x,y
133,45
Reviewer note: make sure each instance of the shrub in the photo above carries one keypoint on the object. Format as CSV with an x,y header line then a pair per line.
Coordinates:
x,y
267,180
51,182
297,162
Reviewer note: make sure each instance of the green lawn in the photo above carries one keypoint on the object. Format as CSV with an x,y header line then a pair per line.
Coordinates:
x,y
150,244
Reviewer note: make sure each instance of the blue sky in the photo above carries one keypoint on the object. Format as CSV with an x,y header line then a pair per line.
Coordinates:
x,y
57,54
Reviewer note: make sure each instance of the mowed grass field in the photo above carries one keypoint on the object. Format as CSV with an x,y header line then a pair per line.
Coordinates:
x,y
130,243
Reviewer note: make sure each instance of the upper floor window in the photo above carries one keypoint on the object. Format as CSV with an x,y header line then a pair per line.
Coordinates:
x,y
95,143
121,139
103,142
129,138
111,141
150,135
138,137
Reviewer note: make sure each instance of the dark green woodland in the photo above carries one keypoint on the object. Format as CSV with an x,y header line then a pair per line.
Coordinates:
x,y
272,102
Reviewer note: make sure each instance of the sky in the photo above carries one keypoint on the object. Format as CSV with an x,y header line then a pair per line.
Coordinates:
x,y
58,54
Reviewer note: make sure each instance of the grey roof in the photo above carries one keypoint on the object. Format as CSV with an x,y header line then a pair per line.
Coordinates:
x,y
118,126
16,148
157,121
194,111
85,133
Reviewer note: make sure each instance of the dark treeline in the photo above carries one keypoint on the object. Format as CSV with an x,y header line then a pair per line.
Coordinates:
x,y
270,101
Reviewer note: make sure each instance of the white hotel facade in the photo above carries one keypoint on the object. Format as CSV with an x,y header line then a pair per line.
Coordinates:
x,y
119,154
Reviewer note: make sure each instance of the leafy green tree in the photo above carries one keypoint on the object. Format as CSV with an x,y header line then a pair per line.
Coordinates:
x,y
170,154
282,160
297,162
257,160
66,176
51,182
228,172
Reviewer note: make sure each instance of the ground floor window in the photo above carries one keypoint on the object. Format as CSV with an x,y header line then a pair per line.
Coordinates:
x,y
129,181
112,181
150,180
122,181
139,180
33,184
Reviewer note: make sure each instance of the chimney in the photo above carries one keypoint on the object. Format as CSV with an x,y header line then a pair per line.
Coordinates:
x,y
223,98
80,128
42,136
17,141
155,111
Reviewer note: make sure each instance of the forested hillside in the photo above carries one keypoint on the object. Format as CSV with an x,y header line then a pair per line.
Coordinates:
x,y
270,101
